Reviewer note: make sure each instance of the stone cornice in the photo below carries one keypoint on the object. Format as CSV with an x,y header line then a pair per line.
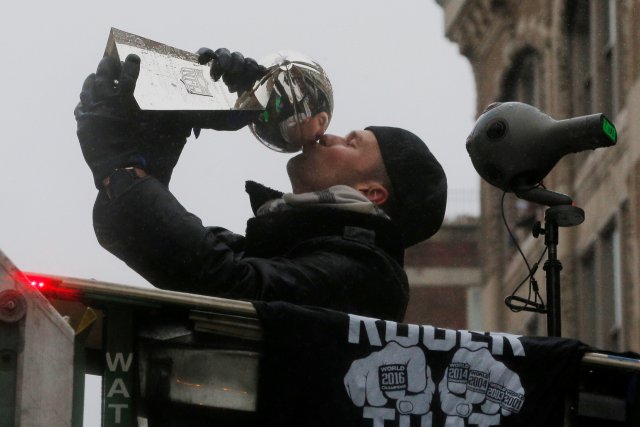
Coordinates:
x,y
476,23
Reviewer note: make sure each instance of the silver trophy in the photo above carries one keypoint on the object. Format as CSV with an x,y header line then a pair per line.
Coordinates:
x,y
293,102
298,100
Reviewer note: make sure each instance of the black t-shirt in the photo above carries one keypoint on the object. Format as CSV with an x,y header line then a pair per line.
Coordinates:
x,y
325,368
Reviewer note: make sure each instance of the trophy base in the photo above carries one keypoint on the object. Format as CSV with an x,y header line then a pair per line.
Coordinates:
x,y
172,79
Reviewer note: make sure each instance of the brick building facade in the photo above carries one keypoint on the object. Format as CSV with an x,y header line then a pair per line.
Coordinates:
x,y
569,58
444,275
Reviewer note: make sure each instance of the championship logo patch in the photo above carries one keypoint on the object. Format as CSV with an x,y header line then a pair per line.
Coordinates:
x,y
393,377
512,401
495,393
458,373
478,381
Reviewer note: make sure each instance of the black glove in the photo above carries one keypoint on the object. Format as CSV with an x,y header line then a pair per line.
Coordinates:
x,y
114,133
237,72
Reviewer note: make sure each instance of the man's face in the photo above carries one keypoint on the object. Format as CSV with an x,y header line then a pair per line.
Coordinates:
x,y
335,160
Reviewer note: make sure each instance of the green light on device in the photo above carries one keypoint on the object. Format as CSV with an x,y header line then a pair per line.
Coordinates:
x,y
609,129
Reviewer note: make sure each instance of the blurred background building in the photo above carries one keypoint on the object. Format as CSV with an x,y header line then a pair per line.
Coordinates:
x,y
568,58
445,277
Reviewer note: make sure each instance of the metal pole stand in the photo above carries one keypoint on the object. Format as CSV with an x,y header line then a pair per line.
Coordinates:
x,y
554,217
561,213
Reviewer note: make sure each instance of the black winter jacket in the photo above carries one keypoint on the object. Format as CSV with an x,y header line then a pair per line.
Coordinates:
x,y
324,257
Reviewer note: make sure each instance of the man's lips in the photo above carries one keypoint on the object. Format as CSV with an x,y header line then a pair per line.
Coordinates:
x,y
322,139
311,145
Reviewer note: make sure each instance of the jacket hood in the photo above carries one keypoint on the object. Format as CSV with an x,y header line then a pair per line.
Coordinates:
x,y
260,194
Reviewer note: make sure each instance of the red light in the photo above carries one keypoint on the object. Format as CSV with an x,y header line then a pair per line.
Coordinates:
x,y
51,287
43,283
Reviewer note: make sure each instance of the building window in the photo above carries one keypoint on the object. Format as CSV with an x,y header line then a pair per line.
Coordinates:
x,y
586,292
592,29
604,41
593,58
600,292
578,26
611,290
608,55
522,82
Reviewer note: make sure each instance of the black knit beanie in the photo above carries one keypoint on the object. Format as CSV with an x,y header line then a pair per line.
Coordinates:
x,y
419,185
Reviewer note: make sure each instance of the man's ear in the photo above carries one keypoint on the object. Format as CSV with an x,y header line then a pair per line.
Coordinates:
x,y
375,192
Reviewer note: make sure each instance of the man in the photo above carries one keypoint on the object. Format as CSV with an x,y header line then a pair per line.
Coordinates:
x,y
336,241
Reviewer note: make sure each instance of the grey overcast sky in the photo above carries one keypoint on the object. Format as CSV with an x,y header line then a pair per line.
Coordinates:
x,y
389,64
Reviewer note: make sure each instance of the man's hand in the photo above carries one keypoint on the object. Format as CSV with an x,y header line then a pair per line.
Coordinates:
x,y
114,133
104,116
237,72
